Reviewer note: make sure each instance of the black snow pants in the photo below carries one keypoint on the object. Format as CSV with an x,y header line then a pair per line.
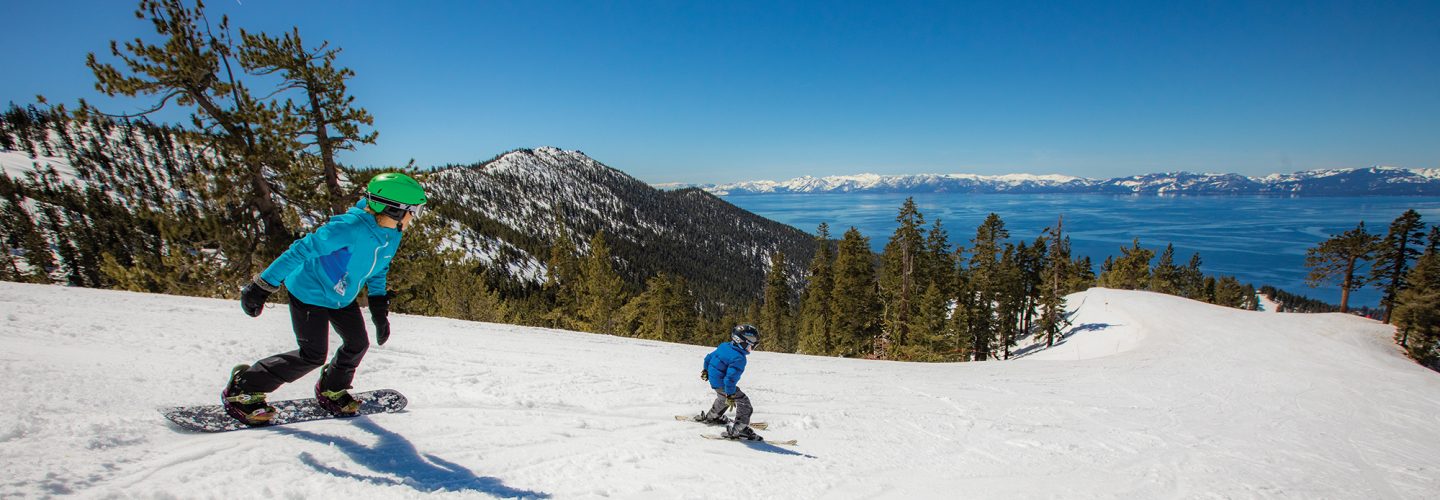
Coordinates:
x,y
742,406
312,333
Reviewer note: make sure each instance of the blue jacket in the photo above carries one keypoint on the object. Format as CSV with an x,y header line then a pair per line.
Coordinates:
x,y
327,267
725,365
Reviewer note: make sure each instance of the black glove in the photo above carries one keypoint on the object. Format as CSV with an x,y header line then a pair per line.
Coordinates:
x,y
253,295
380,314
705,375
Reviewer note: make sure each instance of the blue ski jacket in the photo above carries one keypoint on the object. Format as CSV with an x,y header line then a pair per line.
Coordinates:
x,y
724,366
326,268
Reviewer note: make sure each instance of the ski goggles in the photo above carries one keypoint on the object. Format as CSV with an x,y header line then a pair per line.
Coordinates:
x,y
394,208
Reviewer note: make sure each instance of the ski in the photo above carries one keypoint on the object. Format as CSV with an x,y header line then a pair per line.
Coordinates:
x,y
790,442
759,426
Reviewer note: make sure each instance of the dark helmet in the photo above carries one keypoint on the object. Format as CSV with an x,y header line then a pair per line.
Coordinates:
x,y
745,337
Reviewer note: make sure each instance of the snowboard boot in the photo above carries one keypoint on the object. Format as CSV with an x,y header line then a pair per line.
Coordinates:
x,y
741,432
708,419
247,407
339,403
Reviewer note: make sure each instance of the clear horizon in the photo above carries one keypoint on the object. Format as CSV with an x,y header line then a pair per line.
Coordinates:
x,y
718,93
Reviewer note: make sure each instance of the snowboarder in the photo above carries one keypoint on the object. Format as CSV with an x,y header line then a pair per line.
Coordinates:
x,y
723,368
324,272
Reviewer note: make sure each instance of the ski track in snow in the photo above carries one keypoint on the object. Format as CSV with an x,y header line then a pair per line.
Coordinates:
x,y
1149,396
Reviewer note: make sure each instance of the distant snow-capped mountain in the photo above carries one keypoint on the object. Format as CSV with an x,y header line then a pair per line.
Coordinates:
x,y
1331,182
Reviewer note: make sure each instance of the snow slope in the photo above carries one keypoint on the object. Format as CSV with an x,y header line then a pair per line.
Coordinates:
x,y
1149,396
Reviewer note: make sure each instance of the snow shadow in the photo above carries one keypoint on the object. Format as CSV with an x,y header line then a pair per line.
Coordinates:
x,y
778,450
395,455
1059,341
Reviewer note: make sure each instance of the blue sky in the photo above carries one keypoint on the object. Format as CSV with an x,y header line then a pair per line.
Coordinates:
x,y
725,91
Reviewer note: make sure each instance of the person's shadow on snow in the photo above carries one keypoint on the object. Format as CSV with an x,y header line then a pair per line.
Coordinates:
x,y
394,454
778,450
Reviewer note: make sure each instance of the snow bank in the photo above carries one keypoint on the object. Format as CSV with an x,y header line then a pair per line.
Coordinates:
x,y
1190,400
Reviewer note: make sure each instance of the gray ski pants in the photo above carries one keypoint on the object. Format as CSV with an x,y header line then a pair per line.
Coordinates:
x,y
742,405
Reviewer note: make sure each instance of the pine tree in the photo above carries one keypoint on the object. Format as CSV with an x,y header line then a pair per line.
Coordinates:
x,y
939,258
1393,256
192,66
1338,258
562,280
679,309
854,304
775,313
815,320
664,311
26,237
1417,307
929,338
1054,273
1230,293
1192,280
64,246
988,282
1165,277
967,318
902,277
1084,275
1131,271
1009,299
326,118
602,291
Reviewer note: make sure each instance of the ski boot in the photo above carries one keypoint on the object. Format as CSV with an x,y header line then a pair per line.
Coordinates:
x,y
741,432
247,407
705,418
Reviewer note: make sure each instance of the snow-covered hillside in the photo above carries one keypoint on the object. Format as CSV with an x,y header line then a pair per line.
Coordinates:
x,y
1150,396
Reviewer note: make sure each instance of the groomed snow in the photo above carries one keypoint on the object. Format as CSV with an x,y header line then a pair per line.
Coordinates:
x,y
1151,396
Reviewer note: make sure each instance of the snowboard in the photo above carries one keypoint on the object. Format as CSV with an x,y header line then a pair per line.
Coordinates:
x,y
759,426
212,418
790,442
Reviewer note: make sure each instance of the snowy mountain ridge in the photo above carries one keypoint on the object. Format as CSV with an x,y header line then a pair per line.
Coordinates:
x,y
523,197
1378,180
1146,396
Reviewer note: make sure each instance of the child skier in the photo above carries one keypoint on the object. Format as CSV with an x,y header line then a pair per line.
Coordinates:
x,y
324,272
723,368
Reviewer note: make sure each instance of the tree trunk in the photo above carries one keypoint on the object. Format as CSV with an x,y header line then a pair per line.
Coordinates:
x,y
1345,285
327,151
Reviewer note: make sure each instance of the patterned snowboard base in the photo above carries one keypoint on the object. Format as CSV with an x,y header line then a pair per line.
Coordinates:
x,y
212,418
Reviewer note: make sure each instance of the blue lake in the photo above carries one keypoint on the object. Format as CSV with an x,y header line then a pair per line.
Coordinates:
x,y
1260,240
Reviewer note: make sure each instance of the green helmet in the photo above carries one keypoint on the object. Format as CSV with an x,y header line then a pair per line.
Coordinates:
x,y
394,191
